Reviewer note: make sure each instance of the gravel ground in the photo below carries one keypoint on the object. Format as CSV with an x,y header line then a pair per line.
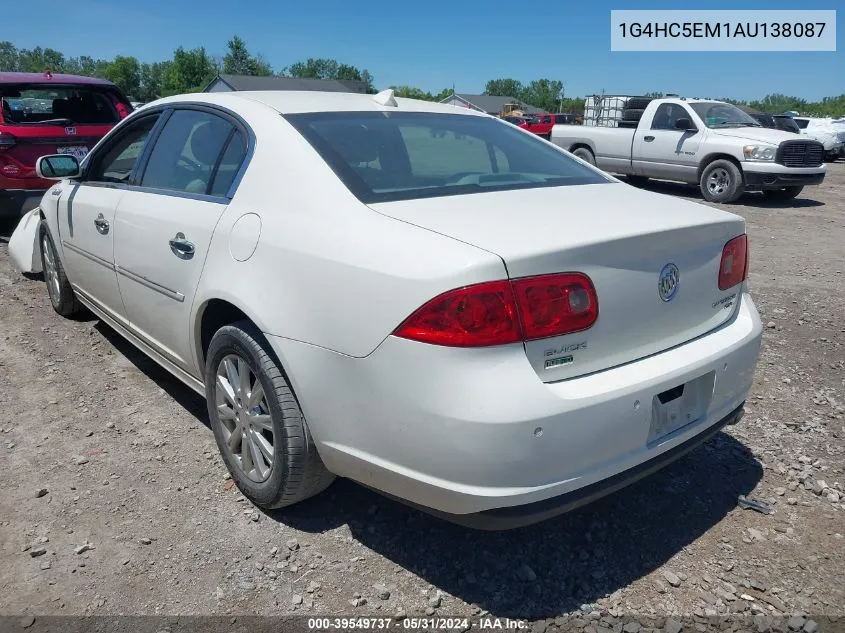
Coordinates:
x,y
115,500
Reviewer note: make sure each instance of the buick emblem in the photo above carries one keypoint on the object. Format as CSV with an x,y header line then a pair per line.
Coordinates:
x,y
668,282
70,131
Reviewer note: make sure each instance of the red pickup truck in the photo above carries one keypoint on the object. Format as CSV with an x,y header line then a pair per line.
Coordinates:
x,y
44,114
541,124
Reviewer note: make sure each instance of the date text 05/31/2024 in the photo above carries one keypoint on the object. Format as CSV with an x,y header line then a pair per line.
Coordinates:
x,y
416,624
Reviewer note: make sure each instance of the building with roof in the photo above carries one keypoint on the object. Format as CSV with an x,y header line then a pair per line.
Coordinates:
x,y
488,103
230,83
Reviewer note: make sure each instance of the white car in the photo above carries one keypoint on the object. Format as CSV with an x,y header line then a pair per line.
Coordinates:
x,y
422,298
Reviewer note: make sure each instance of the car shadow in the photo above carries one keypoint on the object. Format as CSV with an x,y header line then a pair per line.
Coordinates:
x,y
535,572
188,399
577,558
692,192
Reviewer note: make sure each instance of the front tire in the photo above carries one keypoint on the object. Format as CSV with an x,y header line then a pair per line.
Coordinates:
x,y
61,294
782,195
257,423
721,181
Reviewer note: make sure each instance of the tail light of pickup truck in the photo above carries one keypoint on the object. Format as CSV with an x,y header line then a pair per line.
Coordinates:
x,y
733,268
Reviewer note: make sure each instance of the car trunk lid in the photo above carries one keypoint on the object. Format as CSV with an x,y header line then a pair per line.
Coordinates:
x,y
626,240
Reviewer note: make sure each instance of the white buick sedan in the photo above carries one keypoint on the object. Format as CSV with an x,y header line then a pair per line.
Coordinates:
x,y
424,299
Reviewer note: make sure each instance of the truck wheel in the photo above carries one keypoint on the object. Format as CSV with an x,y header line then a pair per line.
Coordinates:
x,y
585,154
781,195
721,181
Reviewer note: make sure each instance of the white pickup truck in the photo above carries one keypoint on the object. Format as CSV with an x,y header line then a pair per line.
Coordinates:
x,y
710,143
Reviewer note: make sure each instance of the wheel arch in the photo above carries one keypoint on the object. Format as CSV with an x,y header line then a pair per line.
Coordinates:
x,y
214,312
710,158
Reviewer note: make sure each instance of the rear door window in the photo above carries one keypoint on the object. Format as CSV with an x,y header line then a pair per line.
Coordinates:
x,y
187,151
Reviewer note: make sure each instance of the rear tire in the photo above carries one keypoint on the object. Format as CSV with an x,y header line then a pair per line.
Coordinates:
x,y
61,294
585,154
257,422
782,195
721,181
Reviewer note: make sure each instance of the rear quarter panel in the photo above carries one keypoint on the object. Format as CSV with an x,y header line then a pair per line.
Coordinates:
x,y
610,146
327,270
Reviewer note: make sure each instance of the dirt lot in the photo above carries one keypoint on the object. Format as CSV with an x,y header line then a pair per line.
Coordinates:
x,y
114,500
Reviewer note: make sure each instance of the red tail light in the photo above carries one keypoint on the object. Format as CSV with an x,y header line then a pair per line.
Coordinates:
x,y
733,268
501,312
551,305
474,316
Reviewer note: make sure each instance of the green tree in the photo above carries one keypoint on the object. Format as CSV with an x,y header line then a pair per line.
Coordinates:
x,y
321,68
190,71
504,88
543,93
9,57
411,92
440,96
238,61
152,80
125,72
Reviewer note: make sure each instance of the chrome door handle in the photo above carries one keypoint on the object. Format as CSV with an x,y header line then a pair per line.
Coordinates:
x,y
101,224
648,139
182,248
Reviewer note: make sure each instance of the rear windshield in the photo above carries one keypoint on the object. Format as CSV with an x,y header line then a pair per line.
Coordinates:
x,y
386,156
57,105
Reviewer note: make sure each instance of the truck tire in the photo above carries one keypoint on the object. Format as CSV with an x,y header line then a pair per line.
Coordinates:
x,y
782,195
721,181
585,154
640,103
632,114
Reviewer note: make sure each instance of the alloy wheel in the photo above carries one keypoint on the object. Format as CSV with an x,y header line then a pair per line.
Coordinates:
x,y
51,273
245,418
719,181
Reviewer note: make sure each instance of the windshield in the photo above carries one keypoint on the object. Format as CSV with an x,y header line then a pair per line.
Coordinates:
x,y
386,156
58,105
720,115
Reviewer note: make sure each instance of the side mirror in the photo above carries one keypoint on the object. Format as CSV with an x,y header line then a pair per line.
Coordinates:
x,y
685,124
57,167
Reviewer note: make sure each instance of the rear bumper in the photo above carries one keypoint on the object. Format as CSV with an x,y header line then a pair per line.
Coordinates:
x,y
520,516
476,432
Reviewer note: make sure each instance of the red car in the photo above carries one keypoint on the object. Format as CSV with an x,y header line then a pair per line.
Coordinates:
x,y
49,114
541,124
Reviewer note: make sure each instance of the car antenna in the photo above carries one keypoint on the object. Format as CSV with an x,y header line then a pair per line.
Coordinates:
x,y
386,98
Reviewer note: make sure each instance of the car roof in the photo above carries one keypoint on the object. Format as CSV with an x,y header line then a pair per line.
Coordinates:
x,y
301,101
46,78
